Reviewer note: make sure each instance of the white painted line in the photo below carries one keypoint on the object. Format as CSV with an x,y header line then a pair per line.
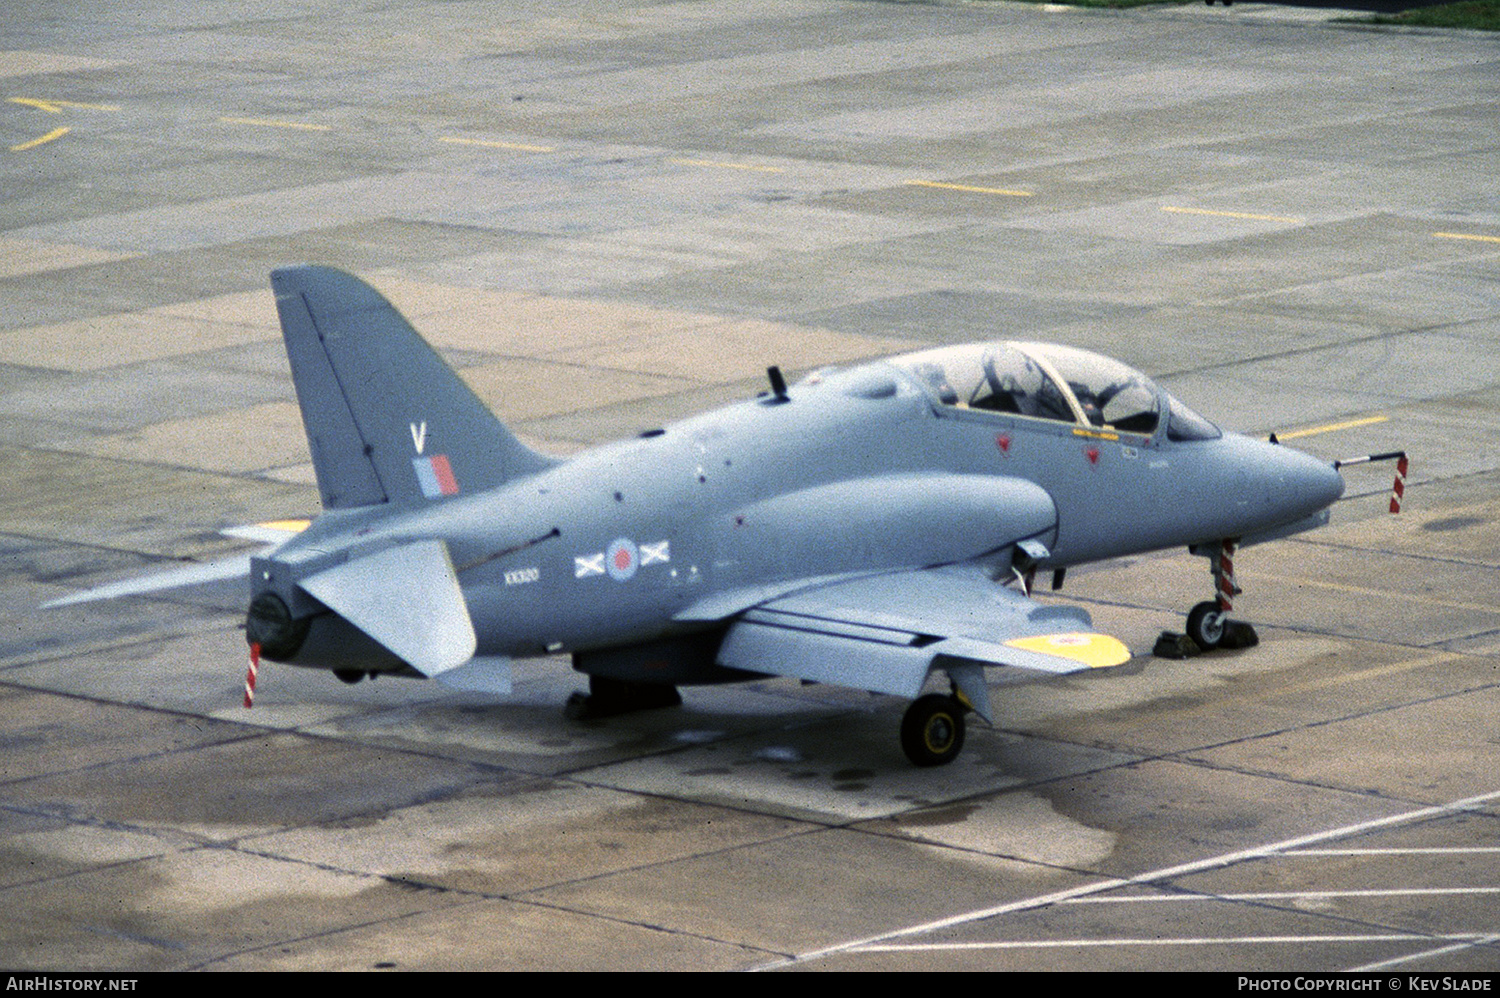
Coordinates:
x,y
1395,961
1166,873
1373,892
1412,851
1463,939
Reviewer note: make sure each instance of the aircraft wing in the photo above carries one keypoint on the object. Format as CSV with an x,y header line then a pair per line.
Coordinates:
x,y
886,632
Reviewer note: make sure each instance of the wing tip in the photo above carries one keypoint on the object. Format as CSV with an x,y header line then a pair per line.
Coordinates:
x,y
1093,650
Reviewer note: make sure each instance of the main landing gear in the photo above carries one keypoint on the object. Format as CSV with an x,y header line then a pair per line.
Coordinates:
x,y
932,730
612,697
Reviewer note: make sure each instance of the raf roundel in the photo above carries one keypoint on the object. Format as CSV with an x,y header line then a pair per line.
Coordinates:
x,y
621,559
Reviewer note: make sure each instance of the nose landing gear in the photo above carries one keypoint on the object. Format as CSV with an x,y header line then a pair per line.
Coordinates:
x,y
1208,623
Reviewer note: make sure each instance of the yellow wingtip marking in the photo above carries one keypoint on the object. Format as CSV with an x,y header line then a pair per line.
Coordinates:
x,y
1097,651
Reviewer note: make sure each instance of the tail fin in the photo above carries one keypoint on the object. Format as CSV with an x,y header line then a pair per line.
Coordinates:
x,y
387,420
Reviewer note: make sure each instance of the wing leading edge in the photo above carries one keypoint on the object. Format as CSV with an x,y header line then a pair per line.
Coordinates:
x,y
887,632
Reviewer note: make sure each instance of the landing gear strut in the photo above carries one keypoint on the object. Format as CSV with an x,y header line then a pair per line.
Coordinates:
x,y
1208,623
932,730
612,697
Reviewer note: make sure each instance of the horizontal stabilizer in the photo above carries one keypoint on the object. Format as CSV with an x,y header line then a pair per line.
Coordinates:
x,y
408,599
195,574
270,533
481,674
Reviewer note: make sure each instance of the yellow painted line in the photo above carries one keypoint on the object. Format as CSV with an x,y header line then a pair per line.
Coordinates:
x,y
1331,427
1466,235
1232,214
1391,594
56,106
1343,679
56,133
88,107
973,190
1373,673
520,146
1327,682
51,107
272,123
727,166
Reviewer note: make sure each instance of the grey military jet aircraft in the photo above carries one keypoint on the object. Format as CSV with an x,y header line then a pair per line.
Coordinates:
x,y
876,527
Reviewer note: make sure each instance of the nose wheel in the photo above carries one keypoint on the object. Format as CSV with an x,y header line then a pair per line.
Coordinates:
x,y
932,731
1205,625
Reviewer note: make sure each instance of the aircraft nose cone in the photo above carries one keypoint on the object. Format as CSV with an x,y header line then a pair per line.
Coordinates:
x,y
1316,483
1332,484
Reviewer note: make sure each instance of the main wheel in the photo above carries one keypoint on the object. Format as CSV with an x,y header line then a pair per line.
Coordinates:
x,y
932,731
1205,625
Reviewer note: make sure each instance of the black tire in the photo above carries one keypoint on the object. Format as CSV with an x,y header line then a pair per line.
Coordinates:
x,y
932,731
1205,625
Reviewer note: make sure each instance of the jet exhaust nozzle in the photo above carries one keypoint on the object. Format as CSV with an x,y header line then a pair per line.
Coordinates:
x,y
270,625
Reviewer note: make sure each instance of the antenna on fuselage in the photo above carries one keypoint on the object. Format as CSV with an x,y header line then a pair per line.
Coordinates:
x,y
778,385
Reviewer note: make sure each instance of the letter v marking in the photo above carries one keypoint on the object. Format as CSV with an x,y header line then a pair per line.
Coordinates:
x,y
419,436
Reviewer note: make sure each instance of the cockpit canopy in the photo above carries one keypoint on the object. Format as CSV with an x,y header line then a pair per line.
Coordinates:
x,y
1046,381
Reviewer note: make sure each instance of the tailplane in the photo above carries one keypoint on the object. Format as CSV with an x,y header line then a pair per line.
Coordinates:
x,y
387,420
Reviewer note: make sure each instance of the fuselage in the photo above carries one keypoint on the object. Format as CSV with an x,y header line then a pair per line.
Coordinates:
x,y
855,472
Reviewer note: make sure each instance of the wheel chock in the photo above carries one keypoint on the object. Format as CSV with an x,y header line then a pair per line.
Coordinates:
x,y
1174,645
1238,634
